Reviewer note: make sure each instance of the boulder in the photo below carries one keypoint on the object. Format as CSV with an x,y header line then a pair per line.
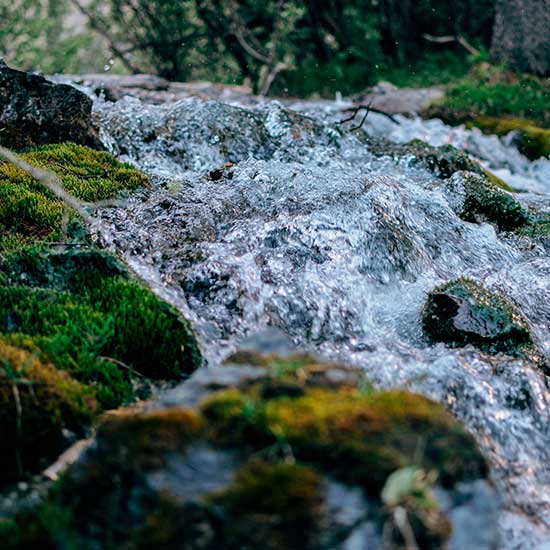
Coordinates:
x,y
463,312
281,452
34,111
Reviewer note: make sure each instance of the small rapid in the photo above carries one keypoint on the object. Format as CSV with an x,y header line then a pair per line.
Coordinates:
x,y
277,216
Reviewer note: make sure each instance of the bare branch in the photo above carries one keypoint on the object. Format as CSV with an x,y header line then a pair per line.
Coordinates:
x,y
369,109
448,39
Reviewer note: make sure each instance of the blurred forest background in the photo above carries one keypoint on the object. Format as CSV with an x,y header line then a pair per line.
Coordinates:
x,y
278,46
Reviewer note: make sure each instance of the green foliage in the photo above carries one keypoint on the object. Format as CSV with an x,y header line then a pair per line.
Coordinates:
x,y
310,47
34,35
491,91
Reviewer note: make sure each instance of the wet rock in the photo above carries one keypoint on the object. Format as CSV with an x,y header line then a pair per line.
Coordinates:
x,y
443,161
463,312
391,99
248,467
34,111
483,201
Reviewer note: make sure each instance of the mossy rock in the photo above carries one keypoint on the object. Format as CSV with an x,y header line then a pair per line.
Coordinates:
x,y
357,437
29,212
89,317
273,505
538,226
251,468
37,403
443,161
530,139
463,312
484,202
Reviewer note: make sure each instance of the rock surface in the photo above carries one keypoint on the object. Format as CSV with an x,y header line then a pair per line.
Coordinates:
x,y
280,452
463,312
34,111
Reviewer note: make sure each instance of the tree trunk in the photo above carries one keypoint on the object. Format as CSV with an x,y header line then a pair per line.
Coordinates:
x,y
521,35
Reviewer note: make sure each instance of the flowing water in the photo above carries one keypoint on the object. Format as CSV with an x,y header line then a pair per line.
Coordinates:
x,y
308,232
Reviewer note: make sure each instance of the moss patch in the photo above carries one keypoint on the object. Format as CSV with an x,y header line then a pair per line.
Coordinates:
x,y
360,438
282,452
37,402
531,140
463,312
88,317
276,504
78,310
490,91
29,212
486,203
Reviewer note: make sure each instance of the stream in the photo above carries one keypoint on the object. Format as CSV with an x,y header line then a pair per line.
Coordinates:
x,y
263,214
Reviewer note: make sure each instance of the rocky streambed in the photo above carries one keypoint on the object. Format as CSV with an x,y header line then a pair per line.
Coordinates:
x,y
278,231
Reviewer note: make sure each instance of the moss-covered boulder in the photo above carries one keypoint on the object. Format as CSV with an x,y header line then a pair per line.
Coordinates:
x,y
294,455
532,140
443,161
29,212
89,317
463,312
486,197
74,310
484,202
37,404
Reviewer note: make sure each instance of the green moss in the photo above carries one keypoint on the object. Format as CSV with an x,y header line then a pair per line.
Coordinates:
x,y
37,402
497,182
360,438
87,174
272,504
485,202
145,439
463,312
491,91
103,327
538,226
280,452
531,140
29,212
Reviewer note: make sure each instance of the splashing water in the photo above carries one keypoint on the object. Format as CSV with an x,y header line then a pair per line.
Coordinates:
x,y
307,231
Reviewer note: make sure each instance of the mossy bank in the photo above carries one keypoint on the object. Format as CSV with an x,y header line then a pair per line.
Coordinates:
x,y
79,333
